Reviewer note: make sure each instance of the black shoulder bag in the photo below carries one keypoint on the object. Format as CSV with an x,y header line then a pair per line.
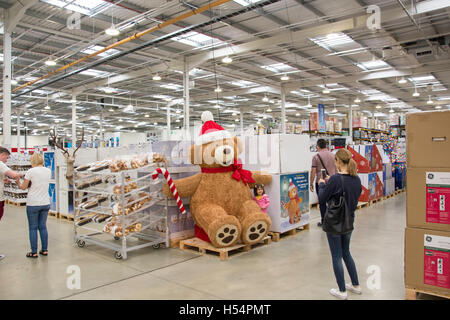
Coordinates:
x,y
337,219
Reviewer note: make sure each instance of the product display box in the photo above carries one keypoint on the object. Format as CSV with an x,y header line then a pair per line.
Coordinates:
x,y
314,121
400,176
277,153
388,186
427,259
428,139
362,164
288,159
369,186
289,201
387,171
367,157
428,198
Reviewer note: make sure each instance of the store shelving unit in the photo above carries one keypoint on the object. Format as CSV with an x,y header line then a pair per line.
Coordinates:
x,y
99,217
13,194
327,133
369,134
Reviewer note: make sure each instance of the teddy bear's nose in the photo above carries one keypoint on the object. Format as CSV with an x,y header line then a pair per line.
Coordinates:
x,y
226,151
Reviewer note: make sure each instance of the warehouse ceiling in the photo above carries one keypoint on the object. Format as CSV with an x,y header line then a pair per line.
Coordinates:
x,y
312,45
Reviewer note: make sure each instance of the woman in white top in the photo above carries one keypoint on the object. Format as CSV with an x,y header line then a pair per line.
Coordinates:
x,y
37,180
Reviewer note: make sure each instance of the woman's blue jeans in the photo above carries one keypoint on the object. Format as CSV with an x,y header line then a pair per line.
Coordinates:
x,y
340,249
37,220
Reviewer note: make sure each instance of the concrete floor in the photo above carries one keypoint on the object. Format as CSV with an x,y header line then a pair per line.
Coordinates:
x,y
298,267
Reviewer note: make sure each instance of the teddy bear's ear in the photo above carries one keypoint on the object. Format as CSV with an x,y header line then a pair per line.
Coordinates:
x,y
195,154
238,146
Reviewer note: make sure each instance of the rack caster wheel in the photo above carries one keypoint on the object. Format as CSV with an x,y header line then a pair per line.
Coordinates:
x,y
81,243
157,246
118,255
116,238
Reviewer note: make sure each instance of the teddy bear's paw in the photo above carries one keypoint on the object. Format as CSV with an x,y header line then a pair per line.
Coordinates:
x,y
255,232
227,234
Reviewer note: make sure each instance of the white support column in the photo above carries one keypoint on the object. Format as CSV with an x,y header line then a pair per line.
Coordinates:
x,y
101,127
350,118
241,114
283,110
186,99
18,129
168,121
74,120
6,89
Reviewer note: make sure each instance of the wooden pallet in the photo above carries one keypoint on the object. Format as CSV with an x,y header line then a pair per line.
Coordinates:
x,y
371,202
362,204
53,214
17,204
203,247
277,236
175,242
68,217
411,293
388,196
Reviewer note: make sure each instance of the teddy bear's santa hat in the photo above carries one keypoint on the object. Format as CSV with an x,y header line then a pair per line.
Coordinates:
x,y
291,185
211,131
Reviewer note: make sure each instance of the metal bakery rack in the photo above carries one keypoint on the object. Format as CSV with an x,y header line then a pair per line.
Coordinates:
x,y
122,211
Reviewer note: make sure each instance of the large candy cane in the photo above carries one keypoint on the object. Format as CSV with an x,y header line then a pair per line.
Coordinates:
x,y
172,187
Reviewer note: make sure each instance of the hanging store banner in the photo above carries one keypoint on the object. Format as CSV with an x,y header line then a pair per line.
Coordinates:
x,y
322,127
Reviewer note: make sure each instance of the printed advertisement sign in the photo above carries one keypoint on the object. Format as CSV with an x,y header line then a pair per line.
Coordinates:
x,y
438,197
49,162
52,194
322,123
436,270
294,196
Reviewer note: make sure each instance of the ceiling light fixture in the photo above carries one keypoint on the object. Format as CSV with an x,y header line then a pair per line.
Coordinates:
x,y
227,59
156,77
284,77
334,110
155,123
297,114
146,116
325,89
402,80
309,103
378,107
357,100
47,107
429,100
269,110
265,99
108,90
13,82
112,31
438,107
50,62
391,111
218,89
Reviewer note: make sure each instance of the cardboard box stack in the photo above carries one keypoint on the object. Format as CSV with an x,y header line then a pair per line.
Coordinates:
x,y
370,170
314,121
427,234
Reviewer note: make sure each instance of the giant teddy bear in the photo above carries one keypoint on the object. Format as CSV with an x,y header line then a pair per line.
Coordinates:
x,y
220,198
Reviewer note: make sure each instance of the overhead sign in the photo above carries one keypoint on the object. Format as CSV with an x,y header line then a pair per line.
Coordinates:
x,y
322,126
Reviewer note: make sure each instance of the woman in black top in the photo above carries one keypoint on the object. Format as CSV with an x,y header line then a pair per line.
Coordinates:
x,y
340,244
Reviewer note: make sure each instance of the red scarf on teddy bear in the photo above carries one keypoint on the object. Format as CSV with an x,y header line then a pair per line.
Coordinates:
x,y
238,174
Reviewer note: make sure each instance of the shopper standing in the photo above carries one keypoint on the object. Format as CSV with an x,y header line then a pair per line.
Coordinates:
x,y
323,159
5,172
349,182
37,180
